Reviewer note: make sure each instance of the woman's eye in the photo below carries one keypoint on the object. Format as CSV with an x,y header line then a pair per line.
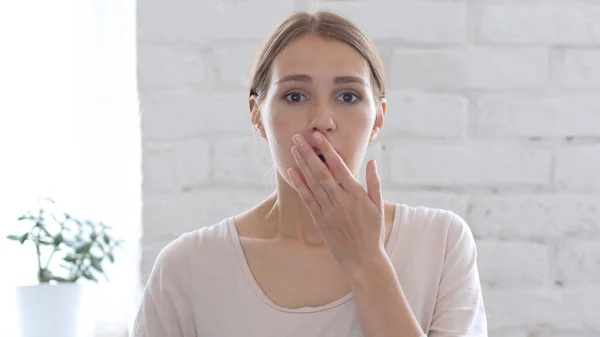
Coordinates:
x,y
294,97
349,97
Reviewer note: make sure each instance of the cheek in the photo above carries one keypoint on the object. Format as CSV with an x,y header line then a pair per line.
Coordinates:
x,y
280,132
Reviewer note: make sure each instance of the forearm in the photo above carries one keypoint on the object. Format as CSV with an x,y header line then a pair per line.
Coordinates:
x,y
380,301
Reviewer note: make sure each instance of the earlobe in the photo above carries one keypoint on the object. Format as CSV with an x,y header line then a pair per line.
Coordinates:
x,y
259,128
379,119
255,115
374,134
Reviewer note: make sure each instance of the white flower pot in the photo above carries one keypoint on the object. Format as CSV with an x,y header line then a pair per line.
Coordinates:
x,y
64,310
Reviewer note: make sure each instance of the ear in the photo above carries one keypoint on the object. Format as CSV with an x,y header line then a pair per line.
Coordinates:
x,y
381,110
255,116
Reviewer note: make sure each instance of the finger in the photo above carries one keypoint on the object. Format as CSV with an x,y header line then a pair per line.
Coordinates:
x,y
336,164
313,185
306,195
320,170
374,185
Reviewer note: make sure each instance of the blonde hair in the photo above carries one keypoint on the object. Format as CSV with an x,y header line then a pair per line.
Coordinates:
x,y
327,25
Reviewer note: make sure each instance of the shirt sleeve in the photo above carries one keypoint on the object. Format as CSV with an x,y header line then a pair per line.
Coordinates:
x,y
459,309
166,308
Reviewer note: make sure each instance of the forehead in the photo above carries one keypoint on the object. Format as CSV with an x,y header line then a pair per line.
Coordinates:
x,y
315,55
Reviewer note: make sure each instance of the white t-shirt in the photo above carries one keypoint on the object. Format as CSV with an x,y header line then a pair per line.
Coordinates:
x,y
201,285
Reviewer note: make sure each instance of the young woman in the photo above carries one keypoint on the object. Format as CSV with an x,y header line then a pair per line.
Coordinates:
x,y
321,256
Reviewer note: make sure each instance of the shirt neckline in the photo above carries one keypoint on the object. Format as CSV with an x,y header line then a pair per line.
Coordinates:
x,y
399,214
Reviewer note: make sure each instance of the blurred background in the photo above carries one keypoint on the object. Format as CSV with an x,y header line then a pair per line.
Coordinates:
x,y
137,114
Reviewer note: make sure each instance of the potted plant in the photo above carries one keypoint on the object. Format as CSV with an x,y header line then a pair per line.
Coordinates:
x,y
69,251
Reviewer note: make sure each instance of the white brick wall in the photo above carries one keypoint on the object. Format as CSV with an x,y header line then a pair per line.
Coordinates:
x,y
494,113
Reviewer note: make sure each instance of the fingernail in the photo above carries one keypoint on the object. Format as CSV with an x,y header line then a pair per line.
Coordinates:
x,y
318,138
298,140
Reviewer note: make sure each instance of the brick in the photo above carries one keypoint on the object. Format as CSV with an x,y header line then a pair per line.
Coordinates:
x,y
235,61
243,161
562,24
187,113
374,151
385,48
425,68
169,66
578,68
511,115
473,68
515,332
423,22
513,264
510,332
447,201
535,217
168,216
541,331
481,165
574,333
204,21
578,263
578,166
426,115
507,68
173,167
573,309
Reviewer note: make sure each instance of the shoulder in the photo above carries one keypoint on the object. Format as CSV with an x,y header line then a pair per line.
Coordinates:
x,y
175,256
436,227
428,218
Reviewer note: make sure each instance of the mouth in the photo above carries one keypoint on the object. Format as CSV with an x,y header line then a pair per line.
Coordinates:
x,y
321,156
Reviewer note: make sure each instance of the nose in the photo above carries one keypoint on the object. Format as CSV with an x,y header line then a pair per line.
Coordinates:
x,y
322,120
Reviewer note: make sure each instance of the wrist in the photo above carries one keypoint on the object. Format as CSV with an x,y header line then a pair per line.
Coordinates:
x,y
366,264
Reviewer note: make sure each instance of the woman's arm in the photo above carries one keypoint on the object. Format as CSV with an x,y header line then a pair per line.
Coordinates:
x,y
380,301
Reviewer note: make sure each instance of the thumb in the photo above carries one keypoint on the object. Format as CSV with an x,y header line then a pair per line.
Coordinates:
x,y
374,185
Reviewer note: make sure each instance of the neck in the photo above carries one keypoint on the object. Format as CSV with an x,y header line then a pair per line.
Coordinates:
x,y
288,218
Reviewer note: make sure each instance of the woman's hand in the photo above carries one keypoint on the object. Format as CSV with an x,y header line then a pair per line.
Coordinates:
x,y
350,219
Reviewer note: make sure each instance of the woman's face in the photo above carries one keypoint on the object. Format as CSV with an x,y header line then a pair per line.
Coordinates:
x,y
319,85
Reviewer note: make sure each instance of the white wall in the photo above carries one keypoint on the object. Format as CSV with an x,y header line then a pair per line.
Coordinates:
x,y
494,113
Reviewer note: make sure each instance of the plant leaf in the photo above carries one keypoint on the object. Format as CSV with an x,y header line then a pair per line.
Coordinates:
x,y
23,238
89,276
84,248
58,239
96,264
70,258
106,239
111,258
25,217
20,238
69,243
59,279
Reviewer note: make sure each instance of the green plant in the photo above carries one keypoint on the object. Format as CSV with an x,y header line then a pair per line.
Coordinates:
x,y
83,245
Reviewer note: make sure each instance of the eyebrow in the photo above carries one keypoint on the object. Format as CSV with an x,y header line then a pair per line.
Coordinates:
x,y
308,79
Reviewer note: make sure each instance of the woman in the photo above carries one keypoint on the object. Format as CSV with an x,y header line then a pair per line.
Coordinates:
x,y
321,256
